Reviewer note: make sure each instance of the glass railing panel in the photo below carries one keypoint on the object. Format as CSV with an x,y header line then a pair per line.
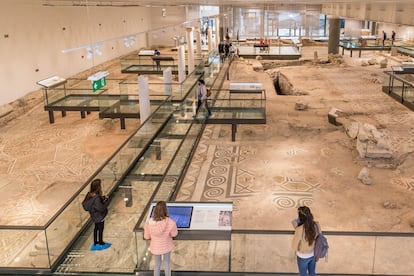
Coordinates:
x,y
169,183
239,109
189,255
183,155
155,89
408,93
126,206
390,256
106,101
406,50
251,252
213,55
186,255
126,105
156,160
397,87
53,95
143,253
73,97
134,60
23,248
386,81
377,254
65,227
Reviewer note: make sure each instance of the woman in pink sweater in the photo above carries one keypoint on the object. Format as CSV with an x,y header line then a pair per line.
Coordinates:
x,y
161,230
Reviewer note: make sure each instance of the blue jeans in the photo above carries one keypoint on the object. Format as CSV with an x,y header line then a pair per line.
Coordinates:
x,y
306,266
167,268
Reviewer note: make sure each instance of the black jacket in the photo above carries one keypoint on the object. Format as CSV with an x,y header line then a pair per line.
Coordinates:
x,y
97,206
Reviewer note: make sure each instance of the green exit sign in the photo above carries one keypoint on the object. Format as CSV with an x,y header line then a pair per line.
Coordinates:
x,y
98,84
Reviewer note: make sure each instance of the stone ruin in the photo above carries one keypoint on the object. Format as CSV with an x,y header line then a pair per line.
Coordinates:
x,y
371,143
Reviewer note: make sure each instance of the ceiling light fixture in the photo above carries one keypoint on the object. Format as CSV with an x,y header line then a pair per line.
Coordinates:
x,y
98,51
89,53
126,42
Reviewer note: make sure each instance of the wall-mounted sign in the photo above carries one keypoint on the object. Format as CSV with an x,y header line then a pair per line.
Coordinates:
x,y
98,80
98,84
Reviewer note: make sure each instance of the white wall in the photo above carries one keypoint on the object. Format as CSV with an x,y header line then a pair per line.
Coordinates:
x,y
393,12
352,28
167,26
38,34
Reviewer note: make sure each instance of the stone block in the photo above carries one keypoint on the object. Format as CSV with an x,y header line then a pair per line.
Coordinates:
x,y
363,135
364,176
377,134
372,61
382,144
361,148
301,106
369,127
363,173
332,116
374,152
353,130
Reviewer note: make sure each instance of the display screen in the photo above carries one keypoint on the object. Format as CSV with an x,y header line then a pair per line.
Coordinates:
x,y
181,215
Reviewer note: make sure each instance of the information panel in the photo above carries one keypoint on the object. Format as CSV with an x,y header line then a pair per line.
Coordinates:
x,y
199,216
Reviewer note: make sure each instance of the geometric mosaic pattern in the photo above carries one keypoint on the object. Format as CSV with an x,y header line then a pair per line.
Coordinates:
x,y
224,178
292,192
221,171
407,183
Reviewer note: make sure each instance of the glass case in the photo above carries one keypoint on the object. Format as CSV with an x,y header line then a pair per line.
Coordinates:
x,y
399,84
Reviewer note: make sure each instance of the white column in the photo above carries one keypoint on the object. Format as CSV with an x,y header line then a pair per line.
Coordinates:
x,y
144,102
181,63
217,31
167,74
190,49
210,40
198,45
262,23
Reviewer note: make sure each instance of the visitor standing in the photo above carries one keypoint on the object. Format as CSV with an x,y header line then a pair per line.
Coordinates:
x,y
202,98
161,230
303,243
384,37
97,206
393,37
157,61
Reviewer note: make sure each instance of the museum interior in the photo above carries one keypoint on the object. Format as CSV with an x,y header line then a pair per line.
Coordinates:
x,y
312,105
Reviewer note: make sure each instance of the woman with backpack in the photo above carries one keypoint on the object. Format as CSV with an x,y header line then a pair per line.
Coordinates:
x,y
303,243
